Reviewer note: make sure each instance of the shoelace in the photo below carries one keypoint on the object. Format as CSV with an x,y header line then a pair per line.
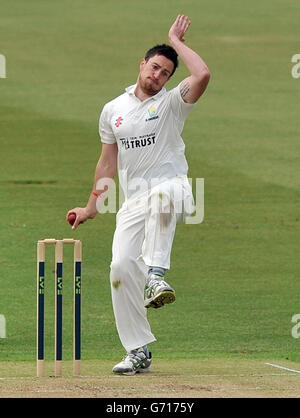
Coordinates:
x,y
157,282
134,359
131,355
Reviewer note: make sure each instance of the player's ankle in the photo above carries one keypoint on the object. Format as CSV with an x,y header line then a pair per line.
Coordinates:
x,y
156,272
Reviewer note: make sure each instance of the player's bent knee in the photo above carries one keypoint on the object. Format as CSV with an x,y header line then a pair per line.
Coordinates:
x,y
126,272
120,272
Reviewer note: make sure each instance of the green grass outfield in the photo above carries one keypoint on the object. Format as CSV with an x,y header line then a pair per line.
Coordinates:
x,y
237,274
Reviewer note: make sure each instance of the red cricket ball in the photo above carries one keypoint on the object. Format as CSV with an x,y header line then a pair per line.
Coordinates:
x,y
71,218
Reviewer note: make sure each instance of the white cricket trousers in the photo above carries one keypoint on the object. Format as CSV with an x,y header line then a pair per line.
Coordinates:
x,y
145,228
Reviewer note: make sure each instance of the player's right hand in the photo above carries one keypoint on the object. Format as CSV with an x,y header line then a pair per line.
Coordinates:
x,y
81,216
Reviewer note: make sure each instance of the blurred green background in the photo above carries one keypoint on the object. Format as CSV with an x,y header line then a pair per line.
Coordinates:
x,y
236,275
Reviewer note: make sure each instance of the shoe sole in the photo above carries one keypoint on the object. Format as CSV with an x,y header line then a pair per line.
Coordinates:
x,y
132,373
164,298
147,370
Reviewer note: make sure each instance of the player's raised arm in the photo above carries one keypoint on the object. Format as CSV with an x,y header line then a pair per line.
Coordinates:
x,y
193,86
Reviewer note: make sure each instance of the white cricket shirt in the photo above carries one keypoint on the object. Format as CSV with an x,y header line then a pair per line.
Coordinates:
x,y
148,135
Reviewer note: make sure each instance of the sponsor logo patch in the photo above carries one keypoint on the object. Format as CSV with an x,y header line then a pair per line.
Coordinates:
x,y
152,113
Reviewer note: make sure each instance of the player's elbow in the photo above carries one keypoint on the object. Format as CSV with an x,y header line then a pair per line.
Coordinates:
x,y
202,80
204,77
110,168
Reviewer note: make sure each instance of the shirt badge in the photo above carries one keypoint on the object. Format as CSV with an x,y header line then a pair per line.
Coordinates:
x,y
152,113
119,121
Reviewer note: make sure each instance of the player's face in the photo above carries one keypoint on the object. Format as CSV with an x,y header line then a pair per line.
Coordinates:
x,y
154,73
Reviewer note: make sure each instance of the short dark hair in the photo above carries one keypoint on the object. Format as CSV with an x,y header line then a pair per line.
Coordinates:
x,y
165,50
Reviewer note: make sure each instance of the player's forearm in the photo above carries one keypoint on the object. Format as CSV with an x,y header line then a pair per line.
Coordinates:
x,y
104,175
194,63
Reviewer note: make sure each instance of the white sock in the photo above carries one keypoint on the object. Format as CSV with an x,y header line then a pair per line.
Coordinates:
x,y
158,271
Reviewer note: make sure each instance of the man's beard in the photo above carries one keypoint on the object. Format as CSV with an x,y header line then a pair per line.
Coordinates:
x,y
147,86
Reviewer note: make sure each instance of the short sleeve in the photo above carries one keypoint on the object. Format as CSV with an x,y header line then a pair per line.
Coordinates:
x,y
180,108
105,130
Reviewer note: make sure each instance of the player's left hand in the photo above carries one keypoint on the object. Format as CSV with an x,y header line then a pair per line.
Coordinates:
x,y
179,28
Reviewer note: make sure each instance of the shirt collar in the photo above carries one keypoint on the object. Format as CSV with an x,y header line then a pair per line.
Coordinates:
x,y
130,90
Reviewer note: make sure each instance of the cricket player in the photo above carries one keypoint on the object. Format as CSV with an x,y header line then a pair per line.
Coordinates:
x,y
141,141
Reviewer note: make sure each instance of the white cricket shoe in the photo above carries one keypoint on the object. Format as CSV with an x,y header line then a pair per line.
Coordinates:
x,y
158,292
136,361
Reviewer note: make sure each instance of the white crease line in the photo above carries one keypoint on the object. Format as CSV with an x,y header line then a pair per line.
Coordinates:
x,y
196,375
283,368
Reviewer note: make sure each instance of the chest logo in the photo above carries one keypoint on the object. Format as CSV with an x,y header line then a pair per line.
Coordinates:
x,y
119,121
152,113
